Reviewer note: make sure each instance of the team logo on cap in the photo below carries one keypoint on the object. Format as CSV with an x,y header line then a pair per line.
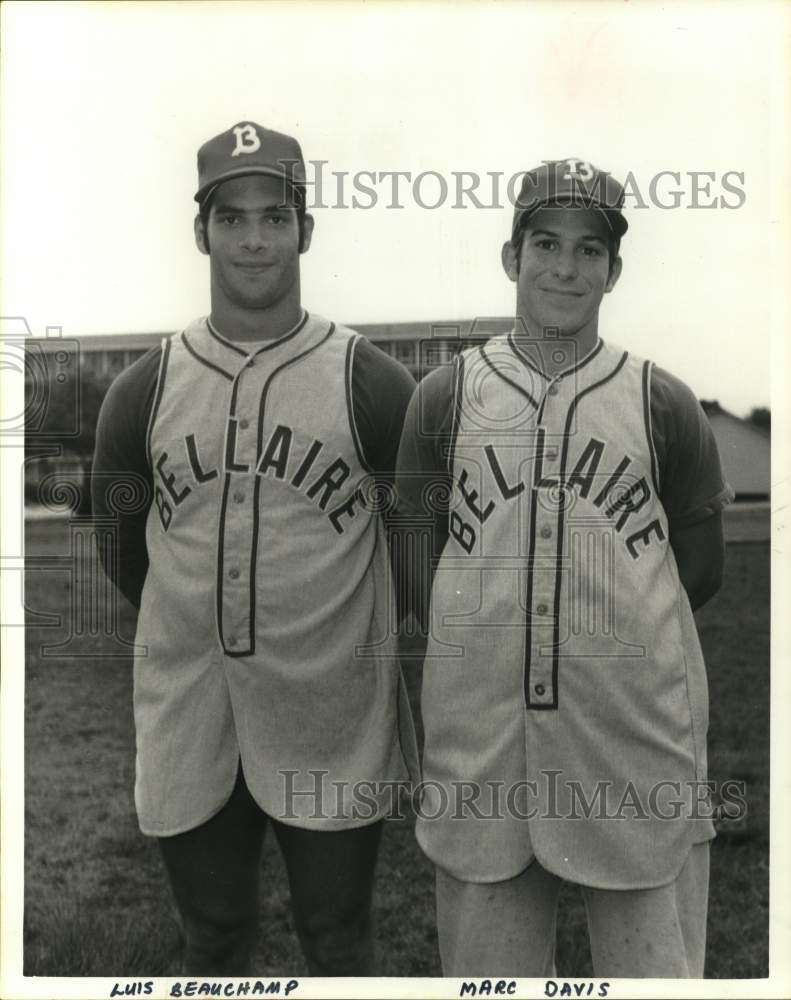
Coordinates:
x,y
578,170
247,140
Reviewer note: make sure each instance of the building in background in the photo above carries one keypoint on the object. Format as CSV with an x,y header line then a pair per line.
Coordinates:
x,y
744,446
419,346
745,452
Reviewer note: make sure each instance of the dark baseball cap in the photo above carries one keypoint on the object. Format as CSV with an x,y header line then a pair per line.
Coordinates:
x,y
563,183
248,148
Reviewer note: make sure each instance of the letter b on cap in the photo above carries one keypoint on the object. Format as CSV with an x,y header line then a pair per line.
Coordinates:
x,y
247,140
578,169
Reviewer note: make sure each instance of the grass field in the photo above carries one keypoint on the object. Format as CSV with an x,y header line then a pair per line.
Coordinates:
x,y
96,901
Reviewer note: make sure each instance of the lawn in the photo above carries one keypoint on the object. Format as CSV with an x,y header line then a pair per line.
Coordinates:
x,y
96,902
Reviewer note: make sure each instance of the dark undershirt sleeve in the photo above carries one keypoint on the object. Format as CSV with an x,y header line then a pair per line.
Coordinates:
x,y
381,388
424,482
121,479
423,477
692,486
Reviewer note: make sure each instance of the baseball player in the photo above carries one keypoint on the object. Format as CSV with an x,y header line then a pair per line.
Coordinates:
x,y
564,694
266,688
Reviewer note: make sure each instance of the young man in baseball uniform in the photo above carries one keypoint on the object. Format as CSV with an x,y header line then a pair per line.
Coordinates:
x,y
266,686
564,694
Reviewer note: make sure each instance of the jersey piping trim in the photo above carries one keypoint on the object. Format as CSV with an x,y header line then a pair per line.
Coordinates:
x,y
222,340
646,382
540,434
237,654
221,529
205,361
585,361
562,374
266,347
163,364
559,551
514,385
458,384
523,357
358,446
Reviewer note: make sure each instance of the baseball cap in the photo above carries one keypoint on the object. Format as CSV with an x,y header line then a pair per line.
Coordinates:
x,y
248,148
570,182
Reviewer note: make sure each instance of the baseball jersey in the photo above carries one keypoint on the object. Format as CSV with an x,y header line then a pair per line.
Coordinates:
x,y
564,695
266,620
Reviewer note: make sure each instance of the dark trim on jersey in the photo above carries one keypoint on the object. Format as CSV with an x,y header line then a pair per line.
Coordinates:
x,y
562,374
523,357
221,533
266,347
219,337
514,385
163,365
358,446
646,382
581,364
540,435
540,414
220,557
458,390
559,551
204,361
256,497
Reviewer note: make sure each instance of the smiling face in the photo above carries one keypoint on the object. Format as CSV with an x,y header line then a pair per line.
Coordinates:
x,y
254,244
562,271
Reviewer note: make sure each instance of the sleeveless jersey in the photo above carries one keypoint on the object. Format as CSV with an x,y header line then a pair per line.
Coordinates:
x,y
267,605
563,675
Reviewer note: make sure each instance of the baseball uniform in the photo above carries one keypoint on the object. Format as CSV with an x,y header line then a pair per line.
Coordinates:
x,y
564,694
266,611
541,657
267,690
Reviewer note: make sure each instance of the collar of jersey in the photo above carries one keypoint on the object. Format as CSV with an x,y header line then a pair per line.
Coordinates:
x,y
257,346
594,352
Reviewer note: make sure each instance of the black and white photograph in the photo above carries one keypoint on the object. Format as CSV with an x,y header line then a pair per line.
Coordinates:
x,y
395,448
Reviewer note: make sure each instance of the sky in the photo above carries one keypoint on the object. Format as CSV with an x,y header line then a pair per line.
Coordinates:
x,y
105,105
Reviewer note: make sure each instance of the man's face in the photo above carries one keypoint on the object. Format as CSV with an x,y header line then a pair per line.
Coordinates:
x,y
253,242
562,269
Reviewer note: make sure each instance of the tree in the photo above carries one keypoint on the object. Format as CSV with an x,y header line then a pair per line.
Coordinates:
x,y
761,416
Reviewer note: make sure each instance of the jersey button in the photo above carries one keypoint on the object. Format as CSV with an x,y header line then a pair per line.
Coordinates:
x,y
541,609
238,497
546,533
233,573
540,690
232,641
553,390
552,454
244,423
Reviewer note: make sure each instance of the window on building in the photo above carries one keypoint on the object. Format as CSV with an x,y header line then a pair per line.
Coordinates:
x,y
438,352
405,352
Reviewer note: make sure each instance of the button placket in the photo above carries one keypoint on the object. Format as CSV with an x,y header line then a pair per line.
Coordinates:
x,y
541,690
238,521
